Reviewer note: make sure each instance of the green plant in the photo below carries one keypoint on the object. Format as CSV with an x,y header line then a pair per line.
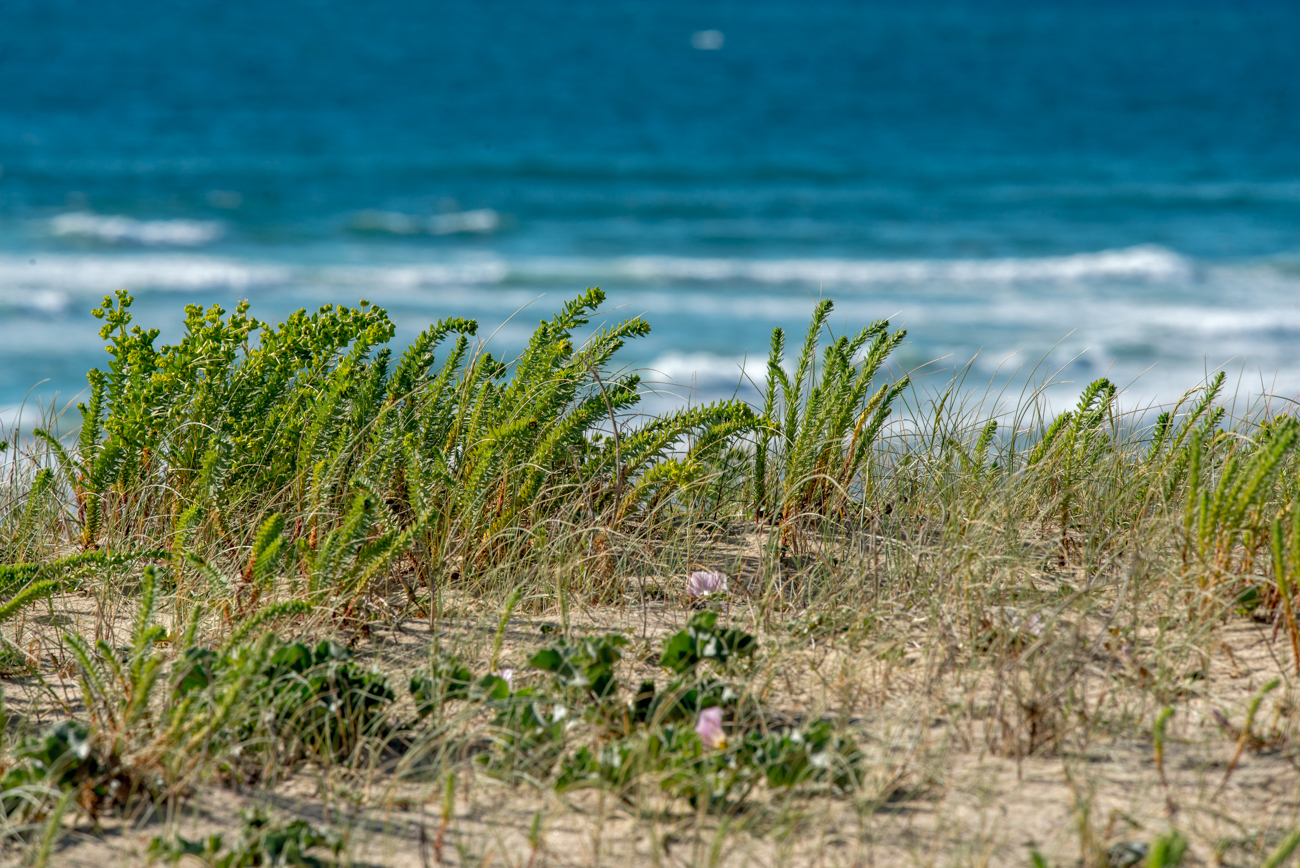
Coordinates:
x,y
318,698
1071,447
60,759
118,692
1217,519
1286,573
23,583
262,842
796,756
457,465
701,640
1167,851
303,475
817,428
679,762
586,667
445,680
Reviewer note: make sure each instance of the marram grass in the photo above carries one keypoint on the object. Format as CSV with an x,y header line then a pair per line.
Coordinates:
x,y
275,554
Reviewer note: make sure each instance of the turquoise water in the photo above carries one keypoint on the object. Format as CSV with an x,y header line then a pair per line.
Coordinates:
x,y
1117,184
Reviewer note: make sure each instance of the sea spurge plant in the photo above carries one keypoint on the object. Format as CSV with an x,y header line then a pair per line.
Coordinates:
x,y
121,751
117,691
818,427
1230,512
1079,436
1065,459
457,461
1169,452
1285,538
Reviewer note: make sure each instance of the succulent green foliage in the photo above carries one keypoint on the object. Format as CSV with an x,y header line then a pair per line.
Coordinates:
x,y
796,756
445,680
262,841
675,757
29,594
1167,851
61,758
702,640
118,689
1169,439
321,698
587,666
1285,538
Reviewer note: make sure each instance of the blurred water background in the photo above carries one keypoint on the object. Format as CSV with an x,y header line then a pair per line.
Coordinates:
x,y
1114,183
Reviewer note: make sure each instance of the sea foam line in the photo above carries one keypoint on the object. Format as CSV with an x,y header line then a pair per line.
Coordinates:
x,y
73,273
117,229
97,274
1135,263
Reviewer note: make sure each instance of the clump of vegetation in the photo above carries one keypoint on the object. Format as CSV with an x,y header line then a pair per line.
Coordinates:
x,y
270,554
262,841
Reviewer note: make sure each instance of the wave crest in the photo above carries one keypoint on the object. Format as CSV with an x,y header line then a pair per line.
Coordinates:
x,y
1148,263
118,229
102,274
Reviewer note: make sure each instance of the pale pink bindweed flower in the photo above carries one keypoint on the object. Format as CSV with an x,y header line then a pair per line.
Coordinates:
x,y
508,676
708,726
702,583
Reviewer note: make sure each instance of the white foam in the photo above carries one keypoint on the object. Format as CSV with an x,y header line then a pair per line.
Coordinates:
x,y
708,40
20,277
704,368
45,301
480,221
1147,263
407,277
78,273
118,229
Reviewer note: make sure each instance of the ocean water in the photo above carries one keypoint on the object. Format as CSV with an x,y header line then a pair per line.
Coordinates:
x,y
1095,188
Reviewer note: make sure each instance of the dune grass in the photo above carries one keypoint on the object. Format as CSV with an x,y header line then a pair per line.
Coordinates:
x,y
436,610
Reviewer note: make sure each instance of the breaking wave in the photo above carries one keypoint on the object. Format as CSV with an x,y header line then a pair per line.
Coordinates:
x,y
68,272
1147,263
151,233
478,222
102,274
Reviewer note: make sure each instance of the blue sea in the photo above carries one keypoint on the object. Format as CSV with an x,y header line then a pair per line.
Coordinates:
x,y
1092,188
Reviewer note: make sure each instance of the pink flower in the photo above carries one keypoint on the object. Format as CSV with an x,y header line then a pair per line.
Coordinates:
x,y
703,583
508,676
708,726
